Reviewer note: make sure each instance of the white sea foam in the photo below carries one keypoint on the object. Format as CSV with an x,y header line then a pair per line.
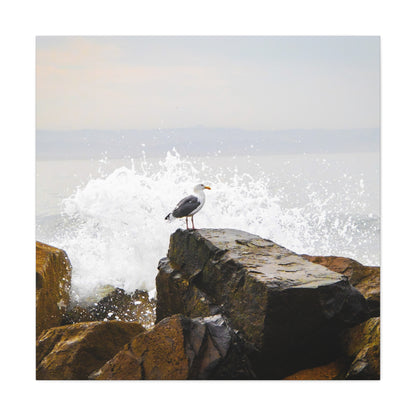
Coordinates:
x,y
114,230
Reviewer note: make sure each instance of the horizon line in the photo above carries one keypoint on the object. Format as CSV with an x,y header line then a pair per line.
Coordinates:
x,y
202,127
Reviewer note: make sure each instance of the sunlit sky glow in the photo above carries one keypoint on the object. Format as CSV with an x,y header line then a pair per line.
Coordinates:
x,y
246,82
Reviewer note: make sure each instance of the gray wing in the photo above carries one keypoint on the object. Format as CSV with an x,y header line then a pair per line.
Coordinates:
x,y
186,206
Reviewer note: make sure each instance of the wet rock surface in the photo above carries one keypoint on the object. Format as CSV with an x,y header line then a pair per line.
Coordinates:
x,y
180,348
72,352
117,305
53,281
362,345
291,311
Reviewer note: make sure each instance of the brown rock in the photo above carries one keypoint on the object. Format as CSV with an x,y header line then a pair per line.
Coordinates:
x,y
362,345
53,280
364,278
329,371
290,310
72,352
180,348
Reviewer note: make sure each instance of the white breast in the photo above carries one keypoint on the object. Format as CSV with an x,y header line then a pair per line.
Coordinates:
x,y
201,198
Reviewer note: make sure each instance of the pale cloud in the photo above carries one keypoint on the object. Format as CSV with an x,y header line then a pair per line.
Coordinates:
x,y
84,84
113,83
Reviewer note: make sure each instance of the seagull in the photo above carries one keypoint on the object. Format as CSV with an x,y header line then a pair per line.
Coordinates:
x,y
189,206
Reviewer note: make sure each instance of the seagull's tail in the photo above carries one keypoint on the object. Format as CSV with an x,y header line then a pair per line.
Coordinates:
x,y
169,217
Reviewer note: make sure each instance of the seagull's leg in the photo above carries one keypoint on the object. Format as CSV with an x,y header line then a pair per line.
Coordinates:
x,y
193,225
187,223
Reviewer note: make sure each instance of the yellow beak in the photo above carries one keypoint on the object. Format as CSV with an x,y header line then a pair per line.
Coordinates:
x,y
207,187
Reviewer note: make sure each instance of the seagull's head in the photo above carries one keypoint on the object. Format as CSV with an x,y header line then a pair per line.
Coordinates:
x,y
200,187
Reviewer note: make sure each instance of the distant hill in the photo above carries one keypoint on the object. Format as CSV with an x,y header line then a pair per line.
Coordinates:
x,y
199,141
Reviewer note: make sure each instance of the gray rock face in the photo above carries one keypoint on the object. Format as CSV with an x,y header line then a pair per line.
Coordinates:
x,y
289,309
364,278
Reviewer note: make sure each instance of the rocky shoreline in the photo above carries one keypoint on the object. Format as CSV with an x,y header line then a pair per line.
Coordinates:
x,y
230,305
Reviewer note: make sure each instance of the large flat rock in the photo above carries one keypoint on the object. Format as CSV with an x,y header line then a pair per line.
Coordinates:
x,y
290,310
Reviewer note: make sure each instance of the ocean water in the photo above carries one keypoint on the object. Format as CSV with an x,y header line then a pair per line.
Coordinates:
x,y
108,214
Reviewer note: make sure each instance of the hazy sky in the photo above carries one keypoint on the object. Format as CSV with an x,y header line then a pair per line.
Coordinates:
x,y
245,82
